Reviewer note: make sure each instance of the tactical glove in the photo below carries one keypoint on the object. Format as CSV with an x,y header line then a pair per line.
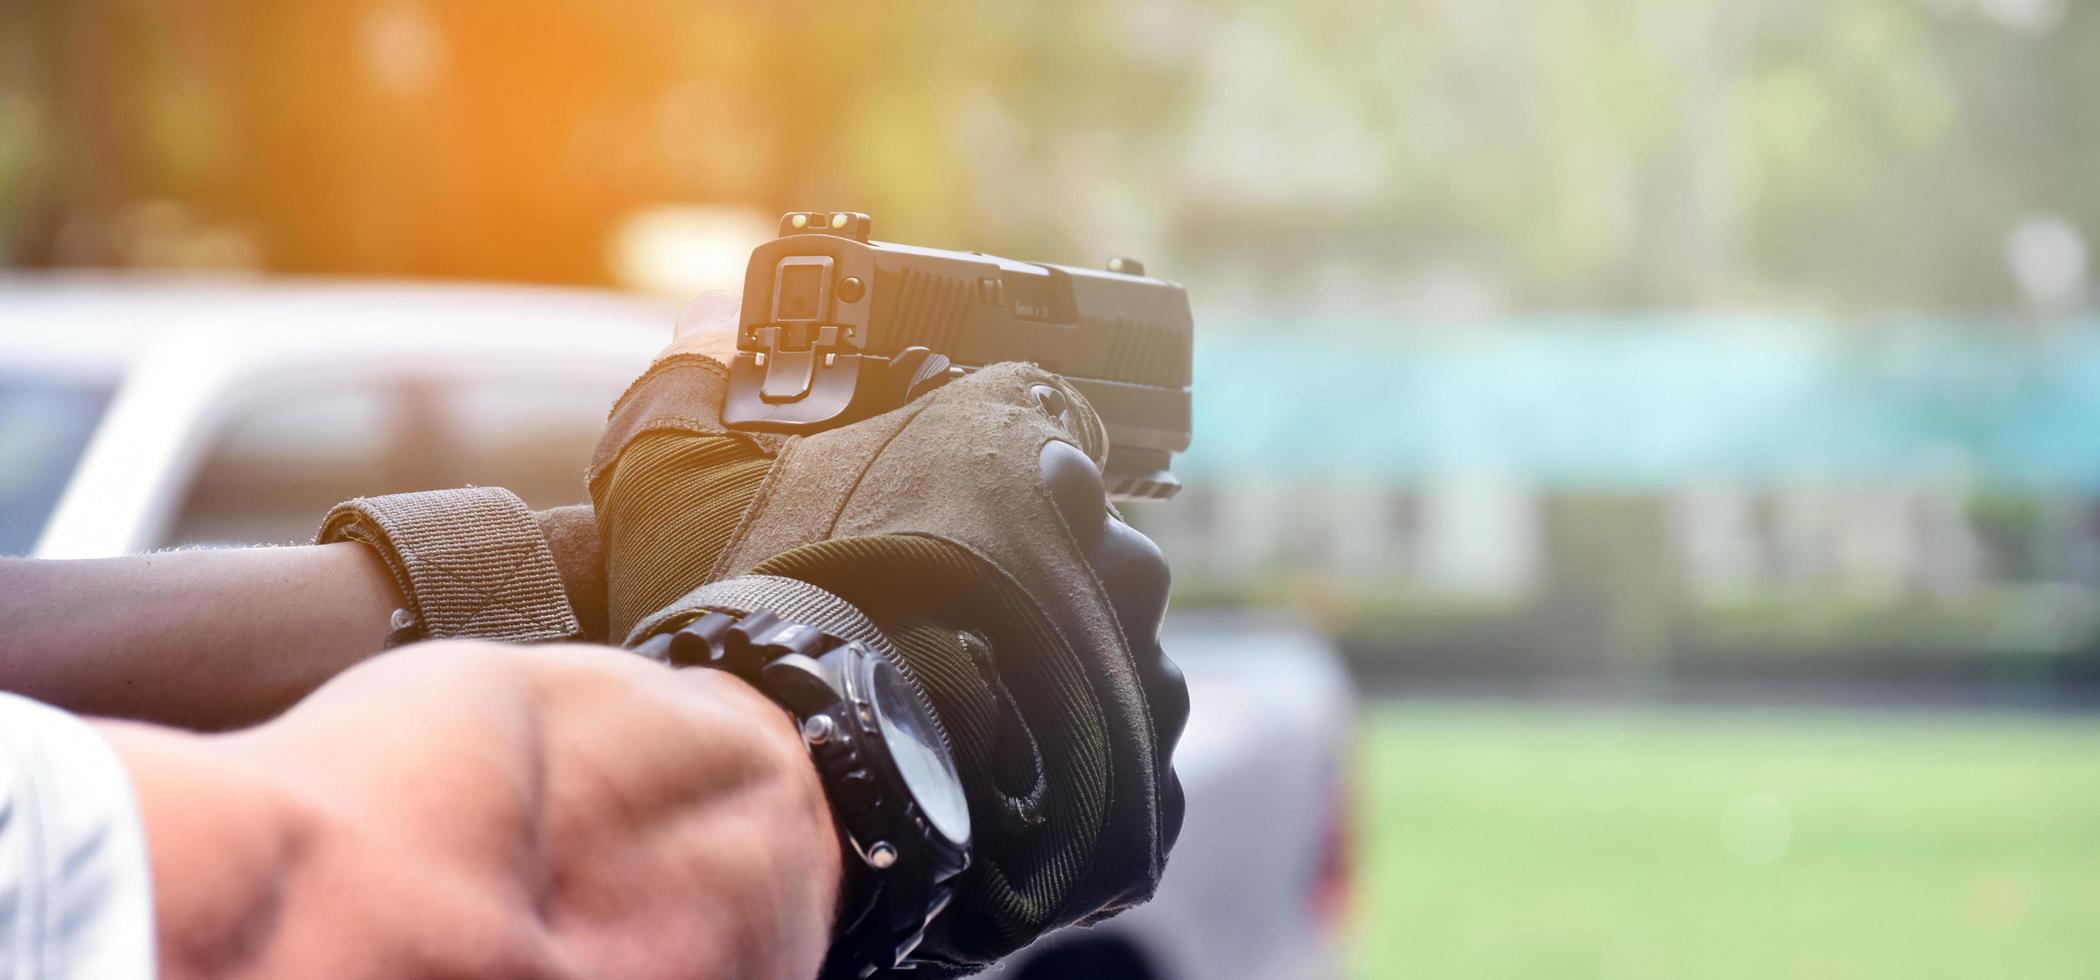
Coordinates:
x,y
971,526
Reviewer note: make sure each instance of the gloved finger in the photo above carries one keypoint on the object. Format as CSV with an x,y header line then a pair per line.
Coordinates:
x,y
1135,575
707,327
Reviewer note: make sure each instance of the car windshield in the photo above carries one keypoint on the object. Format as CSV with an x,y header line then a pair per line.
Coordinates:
x,y
45,422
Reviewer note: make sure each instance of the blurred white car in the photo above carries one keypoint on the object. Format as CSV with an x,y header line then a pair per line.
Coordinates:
x,y
137,415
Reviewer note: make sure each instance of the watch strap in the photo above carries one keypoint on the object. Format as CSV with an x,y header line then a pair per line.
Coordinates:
x,y
790,599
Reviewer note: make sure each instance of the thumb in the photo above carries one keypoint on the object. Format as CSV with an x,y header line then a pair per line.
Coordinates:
x,y
707,327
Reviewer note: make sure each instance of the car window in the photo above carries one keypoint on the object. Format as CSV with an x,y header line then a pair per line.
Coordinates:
x,y
285,457
45,424
532,436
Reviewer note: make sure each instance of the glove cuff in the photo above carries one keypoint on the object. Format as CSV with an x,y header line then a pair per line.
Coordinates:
x,y
471,562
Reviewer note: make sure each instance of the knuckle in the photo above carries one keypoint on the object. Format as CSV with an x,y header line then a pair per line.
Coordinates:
x,y
1075,486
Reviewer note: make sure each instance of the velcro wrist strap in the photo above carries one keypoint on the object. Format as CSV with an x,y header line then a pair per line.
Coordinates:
x,y
471,562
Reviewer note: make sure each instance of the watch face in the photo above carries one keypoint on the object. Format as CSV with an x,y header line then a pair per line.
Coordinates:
x,y
921,756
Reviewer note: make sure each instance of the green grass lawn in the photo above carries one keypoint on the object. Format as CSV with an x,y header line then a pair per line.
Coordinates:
x,y
1562,843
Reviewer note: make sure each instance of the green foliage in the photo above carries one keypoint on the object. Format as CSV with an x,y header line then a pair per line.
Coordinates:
x,y
1599,153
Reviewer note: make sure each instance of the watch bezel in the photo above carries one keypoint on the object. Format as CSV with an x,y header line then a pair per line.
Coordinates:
x,y
885,714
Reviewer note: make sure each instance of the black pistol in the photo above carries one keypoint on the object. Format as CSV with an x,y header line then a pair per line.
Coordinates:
x,y
836,328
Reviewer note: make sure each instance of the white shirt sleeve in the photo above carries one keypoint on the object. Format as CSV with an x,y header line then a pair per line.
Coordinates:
x,y
76,897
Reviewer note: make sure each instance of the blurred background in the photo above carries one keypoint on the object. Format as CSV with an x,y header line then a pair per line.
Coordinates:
x,y
1682,417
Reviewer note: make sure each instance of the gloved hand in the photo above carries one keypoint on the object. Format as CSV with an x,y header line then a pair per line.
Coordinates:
x,y
971,526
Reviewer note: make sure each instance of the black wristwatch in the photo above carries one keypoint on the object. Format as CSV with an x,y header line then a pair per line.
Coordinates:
x,y
885,762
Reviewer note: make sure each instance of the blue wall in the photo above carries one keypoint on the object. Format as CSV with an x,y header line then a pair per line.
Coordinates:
x,y
1642,403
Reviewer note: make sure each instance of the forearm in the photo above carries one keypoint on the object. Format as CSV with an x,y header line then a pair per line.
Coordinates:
x,y
198,639
463,809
